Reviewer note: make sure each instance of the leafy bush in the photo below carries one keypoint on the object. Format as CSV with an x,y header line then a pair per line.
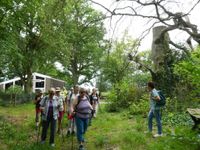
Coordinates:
x,y
189,75
141,107
15,95
14,90
176,119
123,95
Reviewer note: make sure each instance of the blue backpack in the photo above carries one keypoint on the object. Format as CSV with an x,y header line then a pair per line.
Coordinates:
x,y
162,101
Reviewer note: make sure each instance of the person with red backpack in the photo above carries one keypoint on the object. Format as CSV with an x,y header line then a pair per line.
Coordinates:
x,y
155,110
82,112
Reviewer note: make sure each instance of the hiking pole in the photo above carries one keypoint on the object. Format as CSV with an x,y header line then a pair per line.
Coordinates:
x,y
72,139
62,132
38,133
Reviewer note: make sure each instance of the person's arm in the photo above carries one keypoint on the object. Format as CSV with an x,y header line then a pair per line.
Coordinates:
x,y
74,103
37,98
64,104
90,106
42,103
98,98
156,96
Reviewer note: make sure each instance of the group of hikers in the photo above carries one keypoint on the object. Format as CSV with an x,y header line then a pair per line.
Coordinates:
x,y
79,105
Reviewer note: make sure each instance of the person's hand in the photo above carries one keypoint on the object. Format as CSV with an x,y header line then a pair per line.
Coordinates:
x,y
42,108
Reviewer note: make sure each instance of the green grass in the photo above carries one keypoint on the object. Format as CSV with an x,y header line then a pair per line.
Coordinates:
x,y
109,131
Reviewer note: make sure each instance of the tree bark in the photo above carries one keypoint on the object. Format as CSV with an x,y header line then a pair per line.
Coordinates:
x,y
162,60
28,83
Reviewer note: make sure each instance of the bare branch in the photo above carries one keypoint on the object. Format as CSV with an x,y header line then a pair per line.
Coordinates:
x,y
179,47
193,7
162,14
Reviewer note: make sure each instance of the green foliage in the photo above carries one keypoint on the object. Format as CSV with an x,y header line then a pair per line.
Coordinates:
x,y
14,90
6,130
189,72
82,32
123,95
108,131
141,107
176,119
116,65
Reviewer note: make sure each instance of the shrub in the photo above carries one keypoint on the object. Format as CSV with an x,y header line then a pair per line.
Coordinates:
x,y
14,95
123,95
141,107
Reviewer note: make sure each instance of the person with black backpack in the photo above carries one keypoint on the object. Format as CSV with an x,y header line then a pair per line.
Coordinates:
x,y
155,110
82,112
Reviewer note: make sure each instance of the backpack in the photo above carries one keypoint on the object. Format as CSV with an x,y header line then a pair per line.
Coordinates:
x,y
79,100
162,101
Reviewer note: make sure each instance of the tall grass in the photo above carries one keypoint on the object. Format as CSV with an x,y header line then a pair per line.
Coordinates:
x,y
109,131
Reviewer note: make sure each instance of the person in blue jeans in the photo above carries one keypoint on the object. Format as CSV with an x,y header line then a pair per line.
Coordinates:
x,y
155,111
82,111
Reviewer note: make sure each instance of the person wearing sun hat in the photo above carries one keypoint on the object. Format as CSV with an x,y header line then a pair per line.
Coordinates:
x,y
62,107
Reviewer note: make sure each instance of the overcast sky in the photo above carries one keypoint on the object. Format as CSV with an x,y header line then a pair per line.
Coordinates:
x,y
136,26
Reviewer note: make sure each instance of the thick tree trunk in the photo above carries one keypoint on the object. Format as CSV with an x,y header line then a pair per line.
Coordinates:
x,y
162,60
28,83
75,79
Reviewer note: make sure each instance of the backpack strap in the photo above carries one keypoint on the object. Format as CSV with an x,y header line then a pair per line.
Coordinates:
x,y
79,100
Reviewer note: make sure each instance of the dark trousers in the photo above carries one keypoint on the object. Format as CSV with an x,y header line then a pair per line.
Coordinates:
x,y
45,126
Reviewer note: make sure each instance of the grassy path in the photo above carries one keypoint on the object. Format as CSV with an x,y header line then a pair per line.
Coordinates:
x,y
109,131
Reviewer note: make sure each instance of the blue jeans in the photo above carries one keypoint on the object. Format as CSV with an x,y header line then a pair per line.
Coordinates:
x,y
81,125
157,115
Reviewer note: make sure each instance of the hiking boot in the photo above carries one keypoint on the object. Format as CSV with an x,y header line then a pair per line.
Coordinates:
x,y
157,135
81,147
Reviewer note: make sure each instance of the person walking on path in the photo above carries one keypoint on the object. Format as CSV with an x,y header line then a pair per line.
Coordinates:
x,y
82,111
155,111
62,108
49,106
37,100
71,129
94,100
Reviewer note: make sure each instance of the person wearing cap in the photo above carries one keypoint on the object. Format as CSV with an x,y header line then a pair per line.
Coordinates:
x,y
82,111
37,100
49,106
62,108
